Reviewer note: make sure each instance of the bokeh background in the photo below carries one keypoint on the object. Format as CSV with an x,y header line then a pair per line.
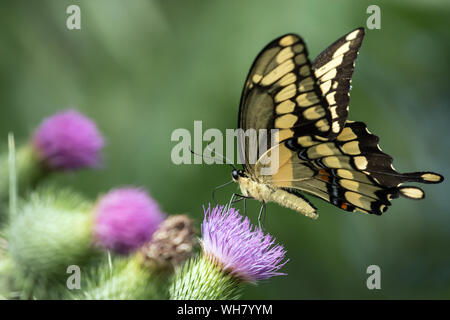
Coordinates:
x,y
144,68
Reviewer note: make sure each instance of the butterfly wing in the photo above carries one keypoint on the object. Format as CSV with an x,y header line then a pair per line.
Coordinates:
x,y
282,92
350,172
333,69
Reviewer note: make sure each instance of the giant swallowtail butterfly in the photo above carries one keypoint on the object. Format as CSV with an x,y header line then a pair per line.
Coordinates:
x,y
320,152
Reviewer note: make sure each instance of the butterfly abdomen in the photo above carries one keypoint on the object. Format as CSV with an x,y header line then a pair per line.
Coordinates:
x,y
287,198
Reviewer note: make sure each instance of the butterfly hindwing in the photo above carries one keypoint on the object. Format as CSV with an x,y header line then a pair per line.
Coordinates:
x,y
350,172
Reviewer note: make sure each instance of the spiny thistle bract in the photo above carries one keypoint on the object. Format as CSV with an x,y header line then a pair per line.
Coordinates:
x,y
233,252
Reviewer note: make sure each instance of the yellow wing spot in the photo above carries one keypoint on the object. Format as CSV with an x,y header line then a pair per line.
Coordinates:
x,y
306,84
323,125
330,98
346,134
300,59
363,188
323,128
351,147
320,138
284,54
288,40
336,162
307,99
286,93
360,162
336,127
342,49
431,177
285,107
329,75
305,71
412,193
335,84
313,113
325,87
322,150
346,174
333,111
329,66
256,78
286,121
287,79
298,48
357,199
278,72
352,36
284,134
306,141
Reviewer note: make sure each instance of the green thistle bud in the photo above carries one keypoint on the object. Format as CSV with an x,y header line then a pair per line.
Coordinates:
x,y
120,279
50,232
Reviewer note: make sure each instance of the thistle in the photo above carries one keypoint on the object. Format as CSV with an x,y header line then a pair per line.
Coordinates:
x,y
234,252
171,245
126,219
66,141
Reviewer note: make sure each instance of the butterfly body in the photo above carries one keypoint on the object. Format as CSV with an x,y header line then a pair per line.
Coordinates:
x,y
304,106
266,192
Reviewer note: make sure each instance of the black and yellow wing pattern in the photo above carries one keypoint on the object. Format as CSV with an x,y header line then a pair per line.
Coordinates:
x,y
320,151
351,172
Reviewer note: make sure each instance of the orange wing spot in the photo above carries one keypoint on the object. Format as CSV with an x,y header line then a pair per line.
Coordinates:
x,y
323,175
344,206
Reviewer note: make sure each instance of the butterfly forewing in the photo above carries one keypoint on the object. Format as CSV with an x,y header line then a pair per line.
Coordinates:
x,y
334,69
281,92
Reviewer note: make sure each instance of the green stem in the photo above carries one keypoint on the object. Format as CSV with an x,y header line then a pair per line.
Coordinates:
x,y
26,170
12,175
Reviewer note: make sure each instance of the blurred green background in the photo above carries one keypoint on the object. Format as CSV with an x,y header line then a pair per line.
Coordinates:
x,y
144,68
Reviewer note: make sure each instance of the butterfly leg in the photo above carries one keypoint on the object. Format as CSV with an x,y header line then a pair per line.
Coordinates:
x,y
262,213
240,198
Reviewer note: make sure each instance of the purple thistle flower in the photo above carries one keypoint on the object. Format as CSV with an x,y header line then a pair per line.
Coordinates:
x,y
238,247
68,141
126,219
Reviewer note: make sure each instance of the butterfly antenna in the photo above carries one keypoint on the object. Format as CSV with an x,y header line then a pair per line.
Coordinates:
x,y
226,159
217,188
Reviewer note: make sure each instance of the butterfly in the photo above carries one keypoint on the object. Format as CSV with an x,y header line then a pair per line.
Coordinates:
x,y
320,152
